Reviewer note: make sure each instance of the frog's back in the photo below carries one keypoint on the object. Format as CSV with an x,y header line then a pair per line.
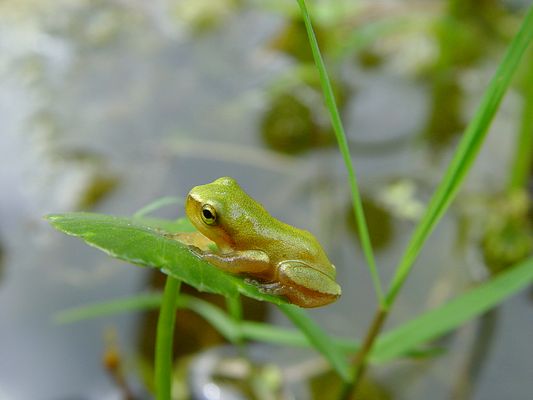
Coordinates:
x,y
291,243
252,227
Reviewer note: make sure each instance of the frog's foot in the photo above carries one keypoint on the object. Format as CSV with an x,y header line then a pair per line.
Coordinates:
x,y
195,250
252,281
305,286
265,287
167,235
274,288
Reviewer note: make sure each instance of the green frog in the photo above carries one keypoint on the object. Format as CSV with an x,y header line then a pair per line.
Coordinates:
x,y
281,259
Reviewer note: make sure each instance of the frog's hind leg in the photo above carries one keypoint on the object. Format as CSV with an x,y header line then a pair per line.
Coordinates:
x,y
305,286
278,289
296,296
300,284
290,293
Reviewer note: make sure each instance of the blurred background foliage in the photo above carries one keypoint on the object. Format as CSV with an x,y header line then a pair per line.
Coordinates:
x,y
108,105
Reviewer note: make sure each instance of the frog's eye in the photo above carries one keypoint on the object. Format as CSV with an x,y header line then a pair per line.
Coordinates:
x,y
209,214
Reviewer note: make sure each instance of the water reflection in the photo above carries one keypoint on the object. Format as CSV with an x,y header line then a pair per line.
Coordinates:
x,y
288,126
379,223
326,386
2,261
98,180
508,232
445,120
110,105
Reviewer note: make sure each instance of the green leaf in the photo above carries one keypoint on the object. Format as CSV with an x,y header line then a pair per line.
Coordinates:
x,y
449,316
333,349
319,339
224,323
144,242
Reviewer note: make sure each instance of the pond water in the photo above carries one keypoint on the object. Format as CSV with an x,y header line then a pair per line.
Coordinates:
x,y
107,106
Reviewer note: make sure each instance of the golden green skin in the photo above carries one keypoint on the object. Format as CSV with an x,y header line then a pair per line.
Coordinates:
x,y
286,260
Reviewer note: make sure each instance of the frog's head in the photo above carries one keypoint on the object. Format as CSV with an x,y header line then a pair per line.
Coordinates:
x,y
214,209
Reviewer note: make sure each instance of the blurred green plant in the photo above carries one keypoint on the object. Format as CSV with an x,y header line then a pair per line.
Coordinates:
x,y
146,241
379,222
405,341
508,232
288,125
455,174
122,237
294,121
523,160
165,336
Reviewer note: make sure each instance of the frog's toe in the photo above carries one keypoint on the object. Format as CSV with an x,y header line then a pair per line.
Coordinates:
x,y
195,250
274,288
251,281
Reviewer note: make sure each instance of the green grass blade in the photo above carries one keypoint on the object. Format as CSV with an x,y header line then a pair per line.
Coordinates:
x,y
164,338
319,339
524,145
221,321
271,334
234,306
157,204
343,146
144,301
465,155
449,316
225,325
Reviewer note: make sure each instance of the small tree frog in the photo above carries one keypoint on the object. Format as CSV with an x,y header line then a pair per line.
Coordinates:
x,y
282,259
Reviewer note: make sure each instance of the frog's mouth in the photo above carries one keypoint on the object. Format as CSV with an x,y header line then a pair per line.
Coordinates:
x,y
192,210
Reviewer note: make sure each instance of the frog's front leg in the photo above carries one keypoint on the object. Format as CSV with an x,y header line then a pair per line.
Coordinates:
x,y
253,262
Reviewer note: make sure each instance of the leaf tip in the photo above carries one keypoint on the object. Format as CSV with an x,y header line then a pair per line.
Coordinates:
x,y
51,217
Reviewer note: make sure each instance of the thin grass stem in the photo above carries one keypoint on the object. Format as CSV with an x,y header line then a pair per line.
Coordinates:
x,y
164,339
361,359
458,168
234,305
465,155
157,204
523,159
343,146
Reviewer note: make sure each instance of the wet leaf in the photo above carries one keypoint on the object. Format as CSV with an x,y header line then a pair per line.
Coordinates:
x,y
144,241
